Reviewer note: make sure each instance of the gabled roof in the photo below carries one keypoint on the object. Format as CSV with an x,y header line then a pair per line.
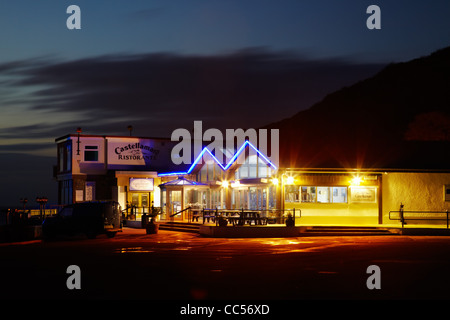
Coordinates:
x,y
246,144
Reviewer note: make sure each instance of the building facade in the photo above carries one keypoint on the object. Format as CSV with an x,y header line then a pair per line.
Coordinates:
x,y
139,173
117,168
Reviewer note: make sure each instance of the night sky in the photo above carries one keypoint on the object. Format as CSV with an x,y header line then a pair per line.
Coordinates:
x,y
160,65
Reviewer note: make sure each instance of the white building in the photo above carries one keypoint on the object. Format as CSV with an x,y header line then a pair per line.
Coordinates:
x,y
119,168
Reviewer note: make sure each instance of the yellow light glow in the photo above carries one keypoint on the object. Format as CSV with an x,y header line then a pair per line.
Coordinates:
x,y
275,181
356,181
290,180
235,184
225,184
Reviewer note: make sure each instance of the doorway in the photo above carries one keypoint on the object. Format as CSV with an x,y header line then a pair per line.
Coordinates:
x,y
139,203
174,204
254,198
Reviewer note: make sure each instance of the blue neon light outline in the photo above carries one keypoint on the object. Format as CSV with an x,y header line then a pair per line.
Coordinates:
x,y
233,159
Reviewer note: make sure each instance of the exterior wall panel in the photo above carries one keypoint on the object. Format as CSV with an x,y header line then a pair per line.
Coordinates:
x,y
417,191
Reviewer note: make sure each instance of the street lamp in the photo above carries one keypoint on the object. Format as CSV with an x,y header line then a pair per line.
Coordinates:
x,y
356,181
24,202
286,180
42,201
78,141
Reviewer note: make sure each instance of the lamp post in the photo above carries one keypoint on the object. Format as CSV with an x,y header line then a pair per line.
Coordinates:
x,y
23,201
282,200
42,201
286,180
78,141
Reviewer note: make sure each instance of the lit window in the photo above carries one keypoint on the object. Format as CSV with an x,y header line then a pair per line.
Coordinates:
x,y
308,194
203,173
210,166
217,172
262,169
253,167
291,193
339,194
323,194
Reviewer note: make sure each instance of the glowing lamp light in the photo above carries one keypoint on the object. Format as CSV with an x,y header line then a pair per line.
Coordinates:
x,y
235,184
356,181
225,184
275,181
290,180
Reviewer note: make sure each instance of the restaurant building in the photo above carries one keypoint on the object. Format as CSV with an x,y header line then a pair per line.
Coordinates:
x,y
138,173
120,168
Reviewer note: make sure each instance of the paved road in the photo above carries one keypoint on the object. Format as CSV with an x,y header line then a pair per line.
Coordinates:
x,y
173,265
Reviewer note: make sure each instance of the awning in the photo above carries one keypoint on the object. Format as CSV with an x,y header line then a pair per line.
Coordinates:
x,y
182,181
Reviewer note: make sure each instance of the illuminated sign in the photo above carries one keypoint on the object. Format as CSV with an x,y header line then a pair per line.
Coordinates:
x,y
363,194
132,151
233,159
141,184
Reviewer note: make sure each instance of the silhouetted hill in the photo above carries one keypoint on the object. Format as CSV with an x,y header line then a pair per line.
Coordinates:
x,y
399,118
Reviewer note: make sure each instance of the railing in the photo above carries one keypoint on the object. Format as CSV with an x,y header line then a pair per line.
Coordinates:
x,y
176,213
132,212
420,215
25,217
241,216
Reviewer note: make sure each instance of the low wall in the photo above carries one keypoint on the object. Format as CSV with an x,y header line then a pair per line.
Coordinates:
x,y
133,223
250,231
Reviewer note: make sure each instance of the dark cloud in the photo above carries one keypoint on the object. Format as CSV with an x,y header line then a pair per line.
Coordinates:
x,y
19,132
160,92
25,147
15,67
156,93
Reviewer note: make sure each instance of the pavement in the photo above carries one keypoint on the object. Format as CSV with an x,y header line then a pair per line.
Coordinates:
x,y
173,266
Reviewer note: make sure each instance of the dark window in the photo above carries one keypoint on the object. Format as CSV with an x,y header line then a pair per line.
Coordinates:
x,y
91,153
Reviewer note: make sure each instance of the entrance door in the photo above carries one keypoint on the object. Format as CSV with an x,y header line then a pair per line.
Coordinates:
x,y
257,198
175,204
253,198
140,202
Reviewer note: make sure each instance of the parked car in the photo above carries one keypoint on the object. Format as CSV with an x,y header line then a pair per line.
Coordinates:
x,y
90,218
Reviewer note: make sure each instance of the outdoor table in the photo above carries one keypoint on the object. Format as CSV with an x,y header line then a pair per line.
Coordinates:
x,y
254,216
230,216
196,214
209,214
239,217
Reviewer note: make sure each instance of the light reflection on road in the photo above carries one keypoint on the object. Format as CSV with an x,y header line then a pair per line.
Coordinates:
x,y
169,241
133,250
